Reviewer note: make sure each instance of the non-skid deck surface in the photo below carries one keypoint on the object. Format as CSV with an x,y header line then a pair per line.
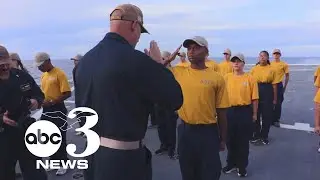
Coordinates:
x,y
290,155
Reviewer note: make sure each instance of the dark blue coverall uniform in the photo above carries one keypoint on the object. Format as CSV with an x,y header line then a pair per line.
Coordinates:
x,y
14,95
122,85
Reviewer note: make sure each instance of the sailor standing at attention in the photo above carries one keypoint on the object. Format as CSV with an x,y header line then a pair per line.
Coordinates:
x,y
122,85
243,97
56,88
267,85
282,70
205,96
225,66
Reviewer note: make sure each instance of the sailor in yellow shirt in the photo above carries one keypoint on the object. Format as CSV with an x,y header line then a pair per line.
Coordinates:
x,y
225,66
281,70
243,97
205,96
183,62
56,88
267,85
317,113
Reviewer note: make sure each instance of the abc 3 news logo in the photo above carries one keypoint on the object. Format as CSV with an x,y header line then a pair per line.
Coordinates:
x,y
43,138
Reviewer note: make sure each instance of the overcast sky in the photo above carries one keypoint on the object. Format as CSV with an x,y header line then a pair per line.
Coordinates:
x,y
65,28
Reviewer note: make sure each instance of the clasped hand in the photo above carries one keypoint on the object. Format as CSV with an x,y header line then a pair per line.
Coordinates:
x,y
33,106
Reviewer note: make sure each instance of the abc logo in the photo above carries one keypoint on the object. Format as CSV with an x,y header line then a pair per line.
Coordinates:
x,y
43,138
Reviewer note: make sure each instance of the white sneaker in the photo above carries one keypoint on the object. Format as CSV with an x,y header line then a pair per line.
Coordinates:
x,y
79,133
319,150
48,170
61,172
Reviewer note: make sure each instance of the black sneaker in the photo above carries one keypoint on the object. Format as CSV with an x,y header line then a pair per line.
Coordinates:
x,y
161,151
276,124
172,155
242,172
254,140
228,169
152,126
265,141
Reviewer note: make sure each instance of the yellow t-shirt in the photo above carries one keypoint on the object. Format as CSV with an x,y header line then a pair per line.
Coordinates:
x,y
264,74
203,91
212,64
225,67
241,89
54,83
317,97
281,68
183,64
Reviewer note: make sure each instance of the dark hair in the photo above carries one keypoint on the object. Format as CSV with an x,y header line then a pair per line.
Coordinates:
x,y
267,53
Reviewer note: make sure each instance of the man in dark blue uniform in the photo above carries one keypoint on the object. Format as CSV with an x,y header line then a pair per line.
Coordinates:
x,y
122,84
19,94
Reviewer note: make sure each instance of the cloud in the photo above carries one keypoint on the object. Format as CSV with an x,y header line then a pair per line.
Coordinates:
x,y
68,27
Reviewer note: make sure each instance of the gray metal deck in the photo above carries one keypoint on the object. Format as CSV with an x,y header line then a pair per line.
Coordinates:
x,y
291,154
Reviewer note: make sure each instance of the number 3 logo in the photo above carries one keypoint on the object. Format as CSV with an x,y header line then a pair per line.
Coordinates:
x,y
93,139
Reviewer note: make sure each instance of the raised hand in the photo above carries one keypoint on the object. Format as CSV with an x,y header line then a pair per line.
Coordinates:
x,y
173,56
154,52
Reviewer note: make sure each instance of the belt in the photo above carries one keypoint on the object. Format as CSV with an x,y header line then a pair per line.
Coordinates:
x,y
121,145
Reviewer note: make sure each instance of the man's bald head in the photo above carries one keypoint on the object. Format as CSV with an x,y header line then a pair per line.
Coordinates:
x,y
127,21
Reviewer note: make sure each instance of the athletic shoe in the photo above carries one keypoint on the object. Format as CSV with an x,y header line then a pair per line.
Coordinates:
x,y
254,140
152,126
79,133
319,150
265,141
276,124
242,172
61,172
228,169
172,155
49,170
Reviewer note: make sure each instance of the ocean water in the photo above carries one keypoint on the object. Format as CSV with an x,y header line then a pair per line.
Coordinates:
x,y
298,104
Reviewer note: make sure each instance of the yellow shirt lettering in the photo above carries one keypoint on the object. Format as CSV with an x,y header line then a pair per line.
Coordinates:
x,y
203,91
241,89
